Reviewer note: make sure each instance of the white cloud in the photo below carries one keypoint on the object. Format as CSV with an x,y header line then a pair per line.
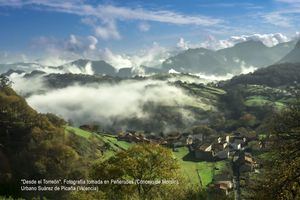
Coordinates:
x,y
26,86
108,15
278,19
73,39
79,44
289,1
214,44
247,70
93,42
116,60
286,14
213,78
7,57
231,5
87,69
150,57
52,60
182,44
163,16
269,40
55,51
144,27
107,31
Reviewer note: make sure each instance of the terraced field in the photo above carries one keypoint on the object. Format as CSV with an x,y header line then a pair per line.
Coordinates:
x,y
257,101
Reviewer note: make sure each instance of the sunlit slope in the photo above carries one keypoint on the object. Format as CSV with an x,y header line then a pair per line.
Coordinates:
x,y
259,95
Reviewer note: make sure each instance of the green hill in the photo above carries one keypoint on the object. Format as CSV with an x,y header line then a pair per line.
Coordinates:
x,y
277,75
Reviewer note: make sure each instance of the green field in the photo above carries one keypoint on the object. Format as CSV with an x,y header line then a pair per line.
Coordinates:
x,y
114,141
111,140
214,90
190,169
257,101
79,132
258,95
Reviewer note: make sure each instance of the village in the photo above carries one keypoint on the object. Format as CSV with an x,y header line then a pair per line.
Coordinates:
x,y
237,148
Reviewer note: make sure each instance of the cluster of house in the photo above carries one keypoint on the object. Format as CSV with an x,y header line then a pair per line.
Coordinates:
x,y
137,137
204,148
173,139
226,148
220,148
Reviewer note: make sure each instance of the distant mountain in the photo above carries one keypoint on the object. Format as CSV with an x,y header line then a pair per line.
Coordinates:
x,y
293,56
251,52
284,48
125,72
11,71
34,73
255,53
153,70
83,66
98,67
228,60
26,67
68,79
196,61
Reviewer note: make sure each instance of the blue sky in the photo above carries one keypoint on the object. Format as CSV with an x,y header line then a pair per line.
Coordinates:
x,y
35,27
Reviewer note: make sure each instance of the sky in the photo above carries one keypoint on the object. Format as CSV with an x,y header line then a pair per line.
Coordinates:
x,y
133,32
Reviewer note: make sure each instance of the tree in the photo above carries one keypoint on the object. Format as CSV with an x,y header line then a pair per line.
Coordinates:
x,y
147,162
217,120
33,147
56,120
248,120
281,174
4,81
206,131
234,101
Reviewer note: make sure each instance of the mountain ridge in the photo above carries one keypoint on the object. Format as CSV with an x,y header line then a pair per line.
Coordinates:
x,y
293,56
228,60
199,60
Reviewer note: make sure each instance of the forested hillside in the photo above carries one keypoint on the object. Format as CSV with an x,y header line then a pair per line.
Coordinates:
x,y
273,76
46,149
36,142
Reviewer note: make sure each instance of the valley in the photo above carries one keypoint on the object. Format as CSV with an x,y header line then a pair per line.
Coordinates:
x,y
213,138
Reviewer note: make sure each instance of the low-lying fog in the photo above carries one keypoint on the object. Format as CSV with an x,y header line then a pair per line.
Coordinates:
x,y
107,103
114,106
